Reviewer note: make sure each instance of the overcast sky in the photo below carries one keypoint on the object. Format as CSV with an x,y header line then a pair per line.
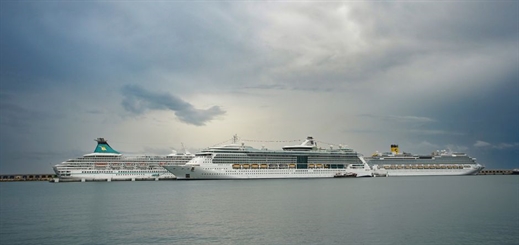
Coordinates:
x,y
149,76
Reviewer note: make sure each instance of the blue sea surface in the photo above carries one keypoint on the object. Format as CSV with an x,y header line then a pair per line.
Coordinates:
x,y
392,210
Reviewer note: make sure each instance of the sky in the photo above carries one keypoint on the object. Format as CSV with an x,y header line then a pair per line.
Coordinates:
x,y
154,76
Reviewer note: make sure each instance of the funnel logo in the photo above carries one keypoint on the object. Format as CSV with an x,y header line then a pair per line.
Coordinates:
x,y
103,148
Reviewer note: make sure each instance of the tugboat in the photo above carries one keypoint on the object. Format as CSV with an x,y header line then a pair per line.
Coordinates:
x,y
345,175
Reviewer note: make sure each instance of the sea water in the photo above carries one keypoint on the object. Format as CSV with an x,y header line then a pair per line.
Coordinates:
x,y
392,210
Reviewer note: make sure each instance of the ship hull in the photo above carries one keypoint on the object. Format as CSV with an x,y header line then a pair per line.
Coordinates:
x,y
425,172
118,175
186,172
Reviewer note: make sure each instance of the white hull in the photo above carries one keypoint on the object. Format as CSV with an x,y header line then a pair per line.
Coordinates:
x,y
218,172
119,174
473,170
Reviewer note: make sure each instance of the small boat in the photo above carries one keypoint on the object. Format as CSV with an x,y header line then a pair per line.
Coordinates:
x,y
345,175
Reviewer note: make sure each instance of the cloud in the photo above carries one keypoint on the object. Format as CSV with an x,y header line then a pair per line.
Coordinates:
x,y
138,100
411,119
434,132
480,143
500,146
507,146
441,72
457,148
401,119
427,145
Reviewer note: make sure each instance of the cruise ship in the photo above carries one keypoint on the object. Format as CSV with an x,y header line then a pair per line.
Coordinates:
x,y
105,163
238,161
442,162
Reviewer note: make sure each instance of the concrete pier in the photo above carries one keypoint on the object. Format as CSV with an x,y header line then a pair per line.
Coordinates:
x,y
496,172
26,177
54,178
58,180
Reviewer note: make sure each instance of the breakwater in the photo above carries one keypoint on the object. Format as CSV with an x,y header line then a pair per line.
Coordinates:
x,y
496,172
54,177
26,177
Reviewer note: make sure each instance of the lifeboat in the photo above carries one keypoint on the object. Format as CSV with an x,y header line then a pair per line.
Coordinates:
x,y
319,165
263,166
246,166
449,166
420,167
407,167
414,167
311,165
273,166
292,166
255,166
443,166
236,166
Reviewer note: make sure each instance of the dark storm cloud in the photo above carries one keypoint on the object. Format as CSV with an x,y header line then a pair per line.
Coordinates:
x,y
371,41
39,47
15,117
56,43
485,115
425,71
138,100
398,118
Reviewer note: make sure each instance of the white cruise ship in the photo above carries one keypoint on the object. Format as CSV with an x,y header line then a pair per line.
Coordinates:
x,y
105,163
237,161
442,162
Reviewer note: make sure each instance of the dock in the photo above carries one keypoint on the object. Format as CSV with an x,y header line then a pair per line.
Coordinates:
x,y
58,180
53,178
496,172
26,177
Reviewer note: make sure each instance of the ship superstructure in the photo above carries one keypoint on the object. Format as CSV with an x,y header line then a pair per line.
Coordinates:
x,y
238,161
105,163
441,162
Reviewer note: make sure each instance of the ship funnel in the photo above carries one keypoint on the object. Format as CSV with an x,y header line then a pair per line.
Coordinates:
x,y
104,147
394,149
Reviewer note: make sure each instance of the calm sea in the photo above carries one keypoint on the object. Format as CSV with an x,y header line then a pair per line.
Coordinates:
x,y
393,210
